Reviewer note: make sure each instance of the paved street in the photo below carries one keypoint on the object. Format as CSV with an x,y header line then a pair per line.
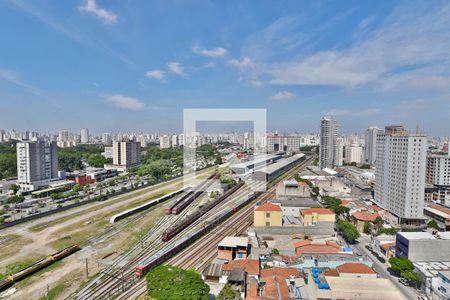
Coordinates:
x,y
381,268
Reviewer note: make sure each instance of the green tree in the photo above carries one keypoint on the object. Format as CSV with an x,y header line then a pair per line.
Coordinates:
x,y
348,230
379,224
8,160
15,188
76,188
412,277
367,228
388,231
229,293
98,160
433,224
2,219
16,199
275,251
401,264
341,211
169,282
315,191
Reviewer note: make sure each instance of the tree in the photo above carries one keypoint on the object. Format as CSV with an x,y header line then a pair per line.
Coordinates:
x,y
98,160
169,282
16,199
412,277
388,231
55,196
315,191
433,224
379,224
275,251
367,228
401,264
2,219
341,210
76,188
15,188
348,230
228,293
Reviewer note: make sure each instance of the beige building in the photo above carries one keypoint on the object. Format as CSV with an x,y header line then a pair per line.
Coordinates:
x,y
126,154
233,247
291,189
312,216
268,215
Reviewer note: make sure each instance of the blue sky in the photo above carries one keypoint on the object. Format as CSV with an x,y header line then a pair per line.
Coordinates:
x,y
113,65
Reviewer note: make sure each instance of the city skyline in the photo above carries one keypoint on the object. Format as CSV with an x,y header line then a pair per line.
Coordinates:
x,y
96,64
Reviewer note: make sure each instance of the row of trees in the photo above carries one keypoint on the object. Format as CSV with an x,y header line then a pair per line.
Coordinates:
x,y
348,230
404,268
8,160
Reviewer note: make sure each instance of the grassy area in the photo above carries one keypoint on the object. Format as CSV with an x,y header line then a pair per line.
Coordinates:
x,y
11,247
44,225
17,266
53,293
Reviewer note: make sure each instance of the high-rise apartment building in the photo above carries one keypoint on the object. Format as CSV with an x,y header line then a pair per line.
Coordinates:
x,y
63,136
106,139
400,173
353,154
370,142
280,142
37,163
339,151
165,141
328,134
84,135
126,154
438,175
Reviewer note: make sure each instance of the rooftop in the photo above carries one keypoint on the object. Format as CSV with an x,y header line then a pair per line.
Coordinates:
x,y
268,207
308,247
234,241
317,210
251,266
355,268
425,235
365,216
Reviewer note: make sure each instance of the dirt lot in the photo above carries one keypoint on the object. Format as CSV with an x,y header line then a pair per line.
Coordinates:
x,y
88,226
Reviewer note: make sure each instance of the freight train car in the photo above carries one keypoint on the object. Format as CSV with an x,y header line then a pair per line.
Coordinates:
x,y
178,227
186,240
39,265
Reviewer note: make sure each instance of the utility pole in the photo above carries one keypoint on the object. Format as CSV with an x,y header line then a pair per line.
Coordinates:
x,y
87,269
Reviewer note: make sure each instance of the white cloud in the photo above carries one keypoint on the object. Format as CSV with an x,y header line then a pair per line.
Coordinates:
x,y
91,7
156,74
241,64
176,68
410,40
213,53
283,95
11,77
125,102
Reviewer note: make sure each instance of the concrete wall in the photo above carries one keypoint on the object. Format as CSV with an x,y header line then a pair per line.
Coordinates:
x,y
324,228
429,250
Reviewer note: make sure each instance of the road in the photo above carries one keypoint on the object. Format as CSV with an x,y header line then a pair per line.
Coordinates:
x,y
381,268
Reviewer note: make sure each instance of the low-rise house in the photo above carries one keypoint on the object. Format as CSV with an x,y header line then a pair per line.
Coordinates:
x,y
356,270
360,218
268,215
233,247
307,247
291,189
312,216
250,266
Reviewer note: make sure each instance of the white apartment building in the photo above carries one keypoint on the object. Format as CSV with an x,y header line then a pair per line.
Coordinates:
x,y
37,164
63,136
370,144
280,142
106,139
339,151
174,140
84,134
353,153
126,154
400,173
164,141
438,175
328,132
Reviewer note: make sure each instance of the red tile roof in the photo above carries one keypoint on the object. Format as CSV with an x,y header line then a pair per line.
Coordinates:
x,y
365,216
387,246
268,207
307,247
275,286
251,265
331,272
441,208
355,268
345,202
317,210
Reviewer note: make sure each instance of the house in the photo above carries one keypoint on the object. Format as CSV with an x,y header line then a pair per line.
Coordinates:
x,y
268,215
307,247
314,215
356,270
233,247
359,218
291,189
250,266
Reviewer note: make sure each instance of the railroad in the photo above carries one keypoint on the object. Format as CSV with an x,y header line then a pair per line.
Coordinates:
x,y
120,274
37,266
204,246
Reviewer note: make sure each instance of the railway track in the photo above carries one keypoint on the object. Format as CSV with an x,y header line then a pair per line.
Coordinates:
x,y
198,255
120,275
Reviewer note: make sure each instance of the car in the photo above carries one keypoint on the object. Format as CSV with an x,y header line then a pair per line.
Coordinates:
x,y
422,297
403,281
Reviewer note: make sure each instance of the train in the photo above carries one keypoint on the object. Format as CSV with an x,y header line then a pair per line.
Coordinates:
x,y
143,207
39,265
186,240
178,227
180,204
